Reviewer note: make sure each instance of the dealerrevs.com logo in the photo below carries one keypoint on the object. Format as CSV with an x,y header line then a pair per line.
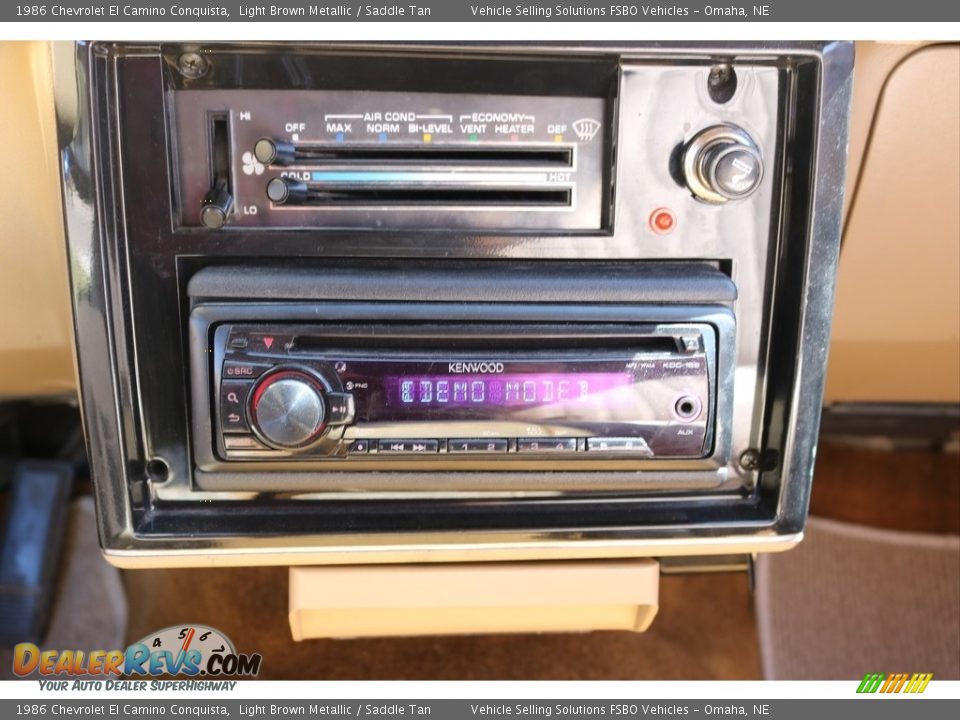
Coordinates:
x,y
185,651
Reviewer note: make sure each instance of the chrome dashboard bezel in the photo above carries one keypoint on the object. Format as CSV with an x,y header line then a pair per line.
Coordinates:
x,y
87,130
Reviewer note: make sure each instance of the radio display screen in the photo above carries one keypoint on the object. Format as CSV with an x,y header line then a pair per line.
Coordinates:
x,y
509,390
624,390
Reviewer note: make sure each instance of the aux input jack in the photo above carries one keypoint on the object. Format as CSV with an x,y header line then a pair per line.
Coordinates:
x,y
688,408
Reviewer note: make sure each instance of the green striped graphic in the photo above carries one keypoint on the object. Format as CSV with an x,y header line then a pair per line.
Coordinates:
x,y
871,682
894,683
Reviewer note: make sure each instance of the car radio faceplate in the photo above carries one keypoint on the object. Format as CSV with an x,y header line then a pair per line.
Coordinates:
x,y
362,395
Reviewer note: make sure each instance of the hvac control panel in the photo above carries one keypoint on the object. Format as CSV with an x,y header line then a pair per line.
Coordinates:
x,y
356,159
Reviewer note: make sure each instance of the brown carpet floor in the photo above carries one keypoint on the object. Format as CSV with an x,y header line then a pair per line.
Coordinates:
x,y
878,591
853,599
705,630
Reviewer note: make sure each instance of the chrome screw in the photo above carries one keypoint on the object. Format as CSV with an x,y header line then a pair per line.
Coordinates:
x,y
192,65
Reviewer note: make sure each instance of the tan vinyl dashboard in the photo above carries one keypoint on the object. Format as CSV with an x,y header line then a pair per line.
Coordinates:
x,y
898,302
896,332
35,325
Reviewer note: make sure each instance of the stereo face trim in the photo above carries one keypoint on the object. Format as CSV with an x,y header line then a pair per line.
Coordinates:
x,y
670,366
376,392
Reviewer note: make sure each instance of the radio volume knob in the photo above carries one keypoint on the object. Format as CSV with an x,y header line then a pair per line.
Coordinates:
x,y
722,163
288,409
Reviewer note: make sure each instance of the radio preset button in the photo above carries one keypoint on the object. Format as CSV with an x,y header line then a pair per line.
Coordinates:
x,y
546,445
625,445
408,447
476,445
233,398
239,370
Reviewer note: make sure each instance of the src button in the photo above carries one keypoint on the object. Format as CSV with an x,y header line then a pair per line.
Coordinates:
x,y
234,370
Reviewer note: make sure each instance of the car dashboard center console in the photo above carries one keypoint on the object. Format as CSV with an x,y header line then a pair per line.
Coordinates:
x,y
403,303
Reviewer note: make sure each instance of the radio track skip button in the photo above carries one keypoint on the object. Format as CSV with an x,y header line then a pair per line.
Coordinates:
x,y
546,445
625,445
408,447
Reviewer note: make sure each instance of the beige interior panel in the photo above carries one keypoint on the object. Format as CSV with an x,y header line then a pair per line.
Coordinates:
x,y
383,600
874,63
896,331
36,357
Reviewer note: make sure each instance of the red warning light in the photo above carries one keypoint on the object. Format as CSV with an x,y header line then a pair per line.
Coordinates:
x,y
268,342
662,220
